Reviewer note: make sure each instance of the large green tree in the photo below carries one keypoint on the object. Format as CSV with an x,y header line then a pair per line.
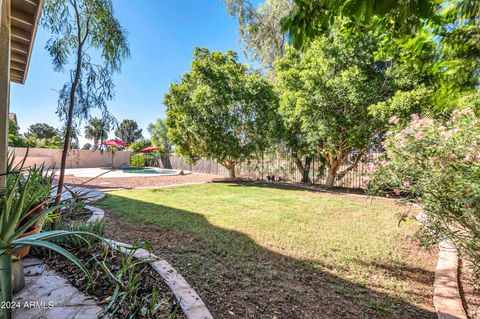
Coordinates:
x,y
325,96
77,26
128,131
15,139
439,38
220,110
139,145
260,28
97,131
41,130
43,135
159,136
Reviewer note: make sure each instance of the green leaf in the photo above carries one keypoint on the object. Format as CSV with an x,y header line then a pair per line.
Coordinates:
x,y
21,230
58,233
31,242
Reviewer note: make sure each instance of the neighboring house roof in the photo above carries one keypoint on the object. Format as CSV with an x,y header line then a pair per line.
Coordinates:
x,y
13,117
24,21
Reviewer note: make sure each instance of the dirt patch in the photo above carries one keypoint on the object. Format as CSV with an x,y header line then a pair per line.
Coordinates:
x,y
470,291
147,181
263,284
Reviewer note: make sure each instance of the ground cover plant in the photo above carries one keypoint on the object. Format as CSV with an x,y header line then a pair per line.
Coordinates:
x,y
125,286
253,251
138,292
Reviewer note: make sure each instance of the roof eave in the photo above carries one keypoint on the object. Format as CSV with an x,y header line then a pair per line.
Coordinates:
x,y
22,59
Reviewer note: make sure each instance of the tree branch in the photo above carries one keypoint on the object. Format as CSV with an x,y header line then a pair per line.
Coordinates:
x,y
353,165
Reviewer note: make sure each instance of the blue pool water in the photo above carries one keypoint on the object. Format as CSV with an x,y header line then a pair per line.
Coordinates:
x,y
143,170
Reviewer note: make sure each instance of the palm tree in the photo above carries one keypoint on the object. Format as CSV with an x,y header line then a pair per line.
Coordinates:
x,y
97,131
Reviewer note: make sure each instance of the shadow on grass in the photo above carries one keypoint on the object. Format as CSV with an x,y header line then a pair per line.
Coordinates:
x,y
237,278
291,186
401,270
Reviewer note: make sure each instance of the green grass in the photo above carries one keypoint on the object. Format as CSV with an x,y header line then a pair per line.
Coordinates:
x,y
246,234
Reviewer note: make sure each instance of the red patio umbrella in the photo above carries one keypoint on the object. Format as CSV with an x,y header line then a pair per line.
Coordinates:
x,y
115,143
149,149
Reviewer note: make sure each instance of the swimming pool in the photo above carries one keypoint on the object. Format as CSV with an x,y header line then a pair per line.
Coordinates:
x,y
100,172
149,171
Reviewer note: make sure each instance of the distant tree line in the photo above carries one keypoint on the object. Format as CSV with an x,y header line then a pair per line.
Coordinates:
x,y
39,135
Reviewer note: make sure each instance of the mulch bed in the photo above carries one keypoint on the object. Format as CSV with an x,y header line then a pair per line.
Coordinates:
x,y
470,291
102,287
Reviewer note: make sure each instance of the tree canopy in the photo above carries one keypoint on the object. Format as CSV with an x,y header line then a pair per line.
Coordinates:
x,y
15,139
159,136
260,28
41,130
440,38
97,130
128,131
77,26
220,110
139,145
325,96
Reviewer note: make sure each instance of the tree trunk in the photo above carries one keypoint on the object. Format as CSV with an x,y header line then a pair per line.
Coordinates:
x,y
68,132
298,163
165,159
231,171
331,174
303,169
306,171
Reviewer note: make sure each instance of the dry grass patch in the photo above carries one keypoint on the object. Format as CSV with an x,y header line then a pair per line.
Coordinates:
x,y
257,251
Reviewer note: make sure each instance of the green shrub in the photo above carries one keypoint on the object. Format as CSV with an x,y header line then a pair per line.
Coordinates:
x,y
77,242
139,145
137,160
437,164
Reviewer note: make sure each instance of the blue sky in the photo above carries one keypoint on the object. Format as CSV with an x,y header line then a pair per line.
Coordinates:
x,y
162,35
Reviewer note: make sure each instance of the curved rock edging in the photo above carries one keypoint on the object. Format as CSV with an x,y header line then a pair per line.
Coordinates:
x,y
192,305
446,296
446,293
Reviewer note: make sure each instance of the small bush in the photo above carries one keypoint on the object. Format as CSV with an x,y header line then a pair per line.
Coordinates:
x,y
77,242
437,164
137,160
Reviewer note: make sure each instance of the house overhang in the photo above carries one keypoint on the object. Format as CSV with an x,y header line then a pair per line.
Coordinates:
x,y
24,22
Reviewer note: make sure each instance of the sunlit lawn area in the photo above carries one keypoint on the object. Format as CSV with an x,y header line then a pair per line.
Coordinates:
x,y
253,249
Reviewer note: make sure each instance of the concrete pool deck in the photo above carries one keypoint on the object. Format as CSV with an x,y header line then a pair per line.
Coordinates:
x,y
107,172
145,181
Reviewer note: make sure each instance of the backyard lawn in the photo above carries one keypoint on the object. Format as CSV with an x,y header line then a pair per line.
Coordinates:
x,y
258,251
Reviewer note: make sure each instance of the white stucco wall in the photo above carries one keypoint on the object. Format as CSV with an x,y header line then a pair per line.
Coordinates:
x,y
75,158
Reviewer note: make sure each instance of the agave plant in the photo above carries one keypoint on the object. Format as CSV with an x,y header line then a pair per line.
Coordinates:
x,y
17,201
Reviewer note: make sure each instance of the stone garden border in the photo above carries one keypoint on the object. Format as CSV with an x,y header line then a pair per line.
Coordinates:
x,y
446,296
192,305
446,293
